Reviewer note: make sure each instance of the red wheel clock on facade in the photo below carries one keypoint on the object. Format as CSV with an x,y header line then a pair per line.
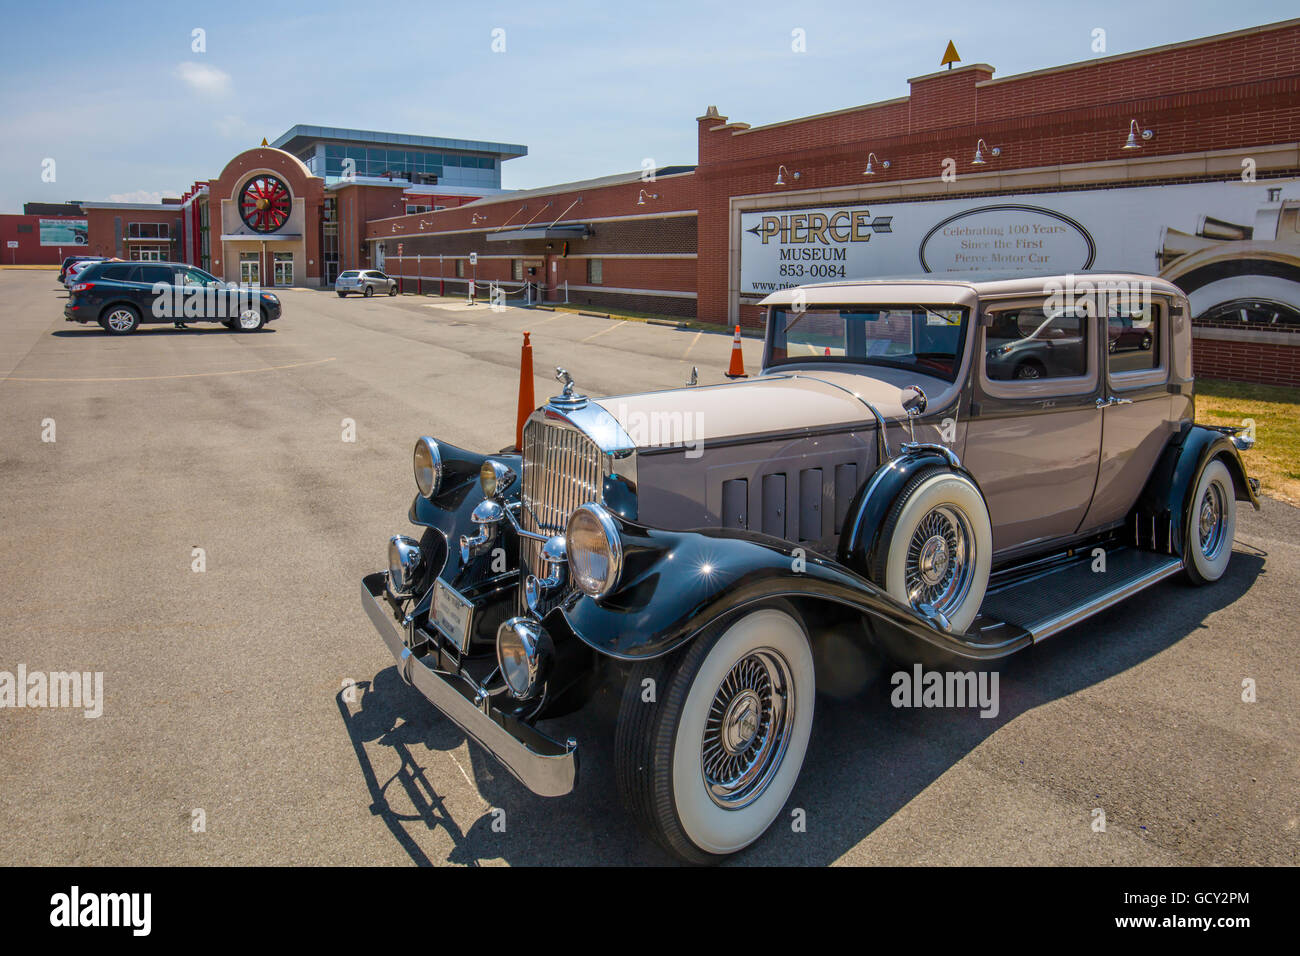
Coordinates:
x,y
264,203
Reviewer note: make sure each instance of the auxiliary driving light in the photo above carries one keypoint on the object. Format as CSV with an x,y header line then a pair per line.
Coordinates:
x,y
427,463
524,653
403,565
495,478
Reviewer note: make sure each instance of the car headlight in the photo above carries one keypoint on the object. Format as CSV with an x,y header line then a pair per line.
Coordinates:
x,y
494,478
403,564
595,550
524,653
427,463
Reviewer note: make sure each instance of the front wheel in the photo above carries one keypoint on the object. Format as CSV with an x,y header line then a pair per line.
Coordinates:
x,y
710,740
392,289
250,320
937,548
1213,525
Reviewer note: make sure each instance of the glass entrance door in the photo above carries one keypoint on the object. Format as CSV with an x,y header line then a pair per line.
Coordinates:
x,y
283,267
250,268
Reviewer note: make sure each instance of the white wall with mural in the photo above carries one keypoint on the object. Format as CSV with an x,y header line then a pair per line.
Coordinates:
x,y
1234,247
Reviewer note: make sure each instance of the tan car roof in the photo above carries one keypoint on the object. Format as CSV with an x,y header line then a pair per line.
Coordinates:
x,y
952,291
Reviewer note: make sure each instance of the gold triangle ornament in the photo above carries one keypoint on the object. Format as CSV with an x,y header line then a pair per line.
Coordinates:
x,y
950,56
265,143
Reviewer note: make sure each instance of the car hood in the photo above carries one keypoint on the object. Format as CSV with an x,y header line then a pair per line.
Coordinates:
x,y
780,401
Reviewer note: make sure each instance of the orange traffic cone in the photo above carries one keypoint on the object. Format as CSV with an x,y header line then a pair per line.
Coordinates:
x,y
737,369
526,402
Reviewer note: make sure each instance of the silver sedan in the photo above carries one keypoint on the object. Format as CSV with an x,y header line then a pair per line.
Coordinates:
x,y
364,281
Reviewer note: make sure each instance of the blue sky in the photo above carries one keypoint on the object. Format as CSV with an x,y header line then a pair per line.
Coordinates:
x,y
115,95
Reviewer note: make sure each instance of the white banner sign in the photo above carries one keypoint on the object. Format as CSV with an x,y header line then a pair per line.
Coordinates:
x,y
1224,242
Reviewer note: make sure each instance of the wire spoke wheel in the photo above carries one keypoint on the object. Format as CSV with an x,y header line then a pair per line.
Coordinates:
x,y
747,729
1210,520
265,203
940,560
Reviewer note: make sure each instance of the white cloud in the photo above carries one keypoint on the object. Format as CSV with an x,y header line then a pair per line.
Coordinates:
x,y
205,80
139,195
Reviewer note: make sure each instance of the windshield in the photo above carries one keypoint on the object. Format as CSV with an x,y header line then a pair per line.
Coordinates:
x,y
924,338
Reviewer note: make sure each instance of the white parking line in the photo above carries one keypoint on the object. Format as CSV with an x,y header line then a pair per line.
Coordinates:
x,y
603,331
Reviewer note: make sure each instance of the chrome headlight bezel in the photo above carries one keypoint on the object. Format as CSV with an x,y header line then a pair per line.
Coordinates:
x,y
610,545
524,653
404,560
494,478
426,463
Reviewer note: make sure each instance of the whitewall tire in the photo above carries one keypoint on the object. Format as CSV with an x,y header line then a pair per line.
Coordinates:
x,y
937,548
707,766
1212,525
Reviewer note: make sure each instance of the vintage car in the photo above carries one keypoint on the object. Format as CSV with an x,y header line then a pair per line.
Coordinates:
x,y
880,478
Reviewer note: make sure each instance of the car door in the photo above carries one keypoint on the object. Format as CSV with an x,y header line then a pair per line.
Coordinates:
x,y
1137,409
152,283
1033,440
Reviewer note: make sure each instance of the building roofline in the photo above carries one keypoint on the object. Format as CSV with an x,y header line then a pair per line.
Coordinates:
x,y
345,134
1146,51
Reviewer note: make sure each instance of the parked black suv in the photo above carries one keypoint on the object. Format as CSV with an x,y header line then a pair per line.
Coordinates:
x,y
120,296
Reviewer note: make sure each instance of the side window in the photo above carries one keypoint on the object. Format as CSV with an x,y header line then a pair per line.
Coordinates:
x,y
116,273
1133,338
154,274
1031,344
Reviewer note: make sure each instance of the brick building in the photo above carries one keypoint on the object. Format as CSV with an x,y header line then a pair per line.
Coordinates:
x,y
1181,160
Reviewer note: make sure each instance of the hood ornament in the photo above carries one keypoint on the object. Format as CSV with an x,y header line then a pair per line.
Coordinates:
x,y
567,398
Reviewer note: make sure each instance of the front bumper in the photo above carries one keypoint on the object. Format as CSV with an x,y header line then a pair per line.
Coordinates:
x,y
546,767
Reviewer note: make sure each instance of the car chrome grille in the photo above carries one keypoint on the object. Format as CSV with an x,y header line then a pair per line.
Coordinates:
x,y
563,469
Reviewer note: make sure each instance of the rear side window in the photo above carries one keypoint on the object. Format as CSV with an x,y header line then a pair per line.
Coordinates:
x,y
117,273
155,274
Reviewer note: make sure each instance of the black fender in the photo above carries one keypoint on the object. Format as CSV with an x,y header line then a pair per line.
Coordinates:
x,y
674,584
1162,514
448,514
861,541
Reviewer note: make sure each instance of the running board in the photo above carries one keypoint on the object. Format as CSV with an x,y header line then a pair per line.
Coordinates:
x,y
1047,603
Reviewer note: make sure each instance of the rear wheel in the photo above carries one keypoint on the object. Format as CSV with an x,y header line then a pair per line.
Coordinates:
x,y
120,320
370,290
937,548
710,740
1213,524
343,295
392,288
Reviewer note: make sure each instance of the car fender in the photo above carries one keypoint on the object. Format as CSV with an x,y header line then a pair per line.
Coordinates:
x,y
861,539
674,584
1162,509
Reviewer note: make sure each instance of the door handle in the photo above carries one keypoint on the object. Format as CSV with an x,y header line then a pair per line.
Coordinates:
x,y
1112,400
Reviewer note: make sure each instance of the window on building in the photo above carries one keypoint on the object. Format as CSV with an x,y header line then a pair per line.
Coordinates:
x,y
517,269
414,208
24,227
148,253
460,268
147,230
594,276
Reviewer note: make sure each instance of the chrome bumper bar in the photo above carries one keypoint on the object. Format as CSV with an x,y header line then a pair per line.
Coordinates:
x,y
546,767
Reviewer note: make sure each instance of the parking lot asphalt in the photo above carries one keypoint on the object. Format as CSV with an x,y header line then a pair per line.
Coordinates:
x,y
255,699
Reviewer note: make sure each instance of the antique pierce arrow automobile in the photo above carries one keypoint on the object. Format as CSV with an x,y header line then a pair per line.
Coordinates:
x,y
894,472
